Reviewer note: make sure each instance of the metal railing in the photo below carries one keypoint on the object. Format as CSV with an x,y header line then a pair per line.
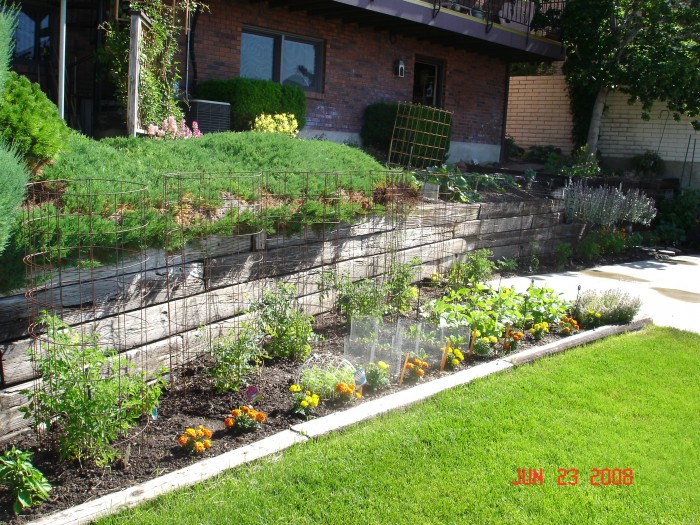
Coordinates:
x,y
530,16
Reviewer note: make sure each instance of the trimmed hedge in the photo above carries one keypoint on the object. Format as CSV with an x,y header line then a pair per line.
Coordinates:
x,y
378,125
250,98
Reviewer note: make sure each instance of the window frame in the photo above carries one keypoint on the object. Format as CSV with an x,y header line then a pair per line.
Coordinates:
x,y
278,38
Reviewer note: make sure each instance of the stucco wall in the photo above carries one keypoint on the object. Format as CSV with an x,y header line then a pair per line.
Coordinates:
x,y
538,112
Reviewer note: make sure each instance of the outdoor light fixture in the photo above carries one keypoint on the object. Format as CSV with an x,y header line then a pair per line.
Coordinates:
x,y
399,68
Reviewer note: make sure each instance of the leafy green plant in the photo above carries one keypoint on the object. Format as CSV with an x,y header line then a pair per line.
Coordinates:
x,y
363,298
562,253
585,165
679,219
323,380
398,285
589,248
235,356
287,330
542,305
376,375
29,122
476,267
609,307
86,397
22,479
507,264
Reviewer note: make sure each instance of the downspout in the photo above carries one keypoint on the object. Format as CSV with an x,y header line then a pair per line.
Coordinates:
x,y
502,158
62,60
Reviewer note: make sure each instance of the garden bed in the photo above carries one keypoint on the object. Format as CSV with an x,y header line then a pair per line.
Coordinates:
x,y
151,449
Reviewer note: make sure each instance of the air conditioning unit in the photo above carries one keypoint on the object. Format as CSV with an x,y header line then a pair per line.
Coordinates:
x,y
211,116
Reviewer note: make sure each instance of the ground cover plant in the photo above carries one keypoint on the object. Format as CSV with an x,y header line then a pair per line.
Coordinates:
x,y
587,418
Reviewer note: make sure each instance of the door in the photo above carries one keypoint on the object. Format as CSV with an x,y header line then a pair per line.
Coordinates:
x,y
427,83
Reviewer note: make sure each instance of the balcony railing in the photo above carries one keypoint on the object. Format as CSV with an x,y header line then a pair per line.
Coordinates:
x,y
530,16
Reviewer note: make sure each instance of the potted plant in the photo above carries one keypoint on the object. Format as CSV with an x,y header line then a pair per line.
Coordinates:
x,y
478,10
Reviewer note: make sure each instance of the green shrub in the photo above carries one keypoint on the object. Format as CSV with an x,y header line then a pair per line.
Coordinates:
x,y
250,98
12,187
562,253
610,307
8,25
649,165
83,399
679,219
29,122
378,125
589,248
398,283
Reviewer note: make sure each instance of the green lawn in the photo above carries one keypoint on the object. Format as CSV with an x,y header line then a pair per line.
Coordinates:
x,y
629,402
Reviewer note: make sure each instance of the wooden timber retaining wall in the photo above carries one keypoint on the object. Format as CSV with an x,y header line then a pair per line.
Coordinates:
x,y
161,308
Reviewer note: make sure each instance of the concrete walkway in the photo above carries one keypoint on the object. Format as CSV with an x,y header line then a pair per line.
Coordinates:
x,y
669,290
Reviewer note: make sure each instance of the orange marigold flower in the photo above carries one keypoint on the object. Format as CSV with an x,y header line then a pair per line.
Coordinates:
x,y
260,417
339,388
190,432
424,364
198,447
409,366
206,443
506,346
420,372
245,409
236,413
229,422
182,440
206,432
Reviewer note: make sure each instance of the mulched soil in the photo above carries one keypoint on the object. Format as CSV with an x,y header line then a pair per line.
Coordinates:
x,y
190,401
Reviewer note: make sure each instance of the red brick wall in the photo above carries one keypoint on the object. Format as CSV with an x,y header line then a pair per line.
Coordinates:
x,y
358,68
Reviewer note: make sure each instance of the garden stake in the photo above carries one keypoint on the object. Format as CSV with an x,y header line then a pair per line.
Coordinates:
x,y
403,369
471,345
448,347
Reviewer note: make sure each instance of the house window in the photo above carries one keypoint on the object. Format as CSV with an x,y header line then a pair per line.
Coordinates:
x,y
282,58
33,35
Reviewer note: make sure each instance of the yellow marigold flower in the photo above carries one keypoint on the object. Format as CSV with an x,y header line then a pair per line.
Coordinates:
x,y
382,365
236,412
190,432
358,395
200,434
455,362
476,333
314,401
304,403
493,339
308,392
597,314
183,440
206,443
459,355
260,417
229,422
295,388
198,447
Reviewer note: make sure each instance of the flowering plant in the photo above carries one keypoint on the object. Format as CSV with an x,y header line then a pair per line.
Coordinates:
x,y
483,345
539,329
285,123
511,342
568,325
245,419
303,402
591,318
195,441
415,369
171,130
376,375
454,358
347,391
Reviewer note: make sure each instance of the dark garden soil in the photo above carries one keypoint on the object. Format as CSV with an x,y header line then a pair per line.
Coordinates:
x,y
187,402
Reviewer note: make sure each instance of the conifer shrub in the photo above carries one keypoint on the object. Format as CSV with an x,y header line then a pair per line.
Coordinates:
x,y
12,186
29,122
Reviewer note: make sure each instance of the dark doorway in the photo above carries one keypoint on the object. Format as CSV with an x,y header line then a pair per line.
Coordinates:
x,y
427,83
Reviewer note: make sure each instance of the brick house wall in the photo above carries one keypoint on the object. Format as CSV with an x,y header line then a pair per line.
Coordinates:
x,y
358,70
539,113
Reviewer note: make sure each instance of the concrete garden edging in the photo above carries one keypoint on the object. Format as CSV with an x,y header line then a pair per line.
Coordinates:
x,y
303,432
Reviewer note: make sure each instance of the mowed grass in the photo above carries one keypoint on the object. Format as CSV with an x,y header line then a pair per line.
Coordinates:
x,y
629,402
